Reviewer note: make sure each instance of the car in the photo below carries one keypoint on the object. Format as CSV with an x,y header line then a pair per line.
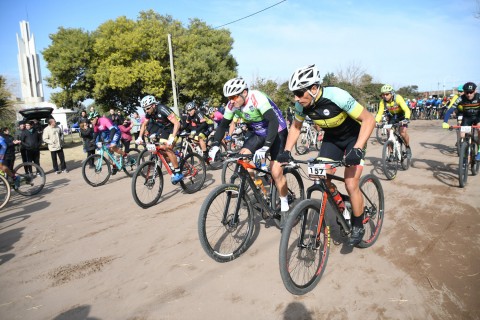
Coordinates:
x,y
41,114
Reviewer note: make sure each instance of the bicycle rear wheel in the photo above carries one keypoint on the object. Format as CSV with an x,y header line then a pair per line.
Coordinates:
x,y
474,164
304,248
228,172
217,163
194,171
295,194
5,191
389,161
225,233
99,173
132,164
147,184
32,178
463,165
404,159
373,209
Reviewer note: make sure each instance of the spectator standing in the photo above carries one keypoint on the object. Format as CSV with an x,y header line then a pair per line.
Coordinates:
x,y
83,117
136,123
53,137
10,142
126,137
116,118
31,141
18,134
86,133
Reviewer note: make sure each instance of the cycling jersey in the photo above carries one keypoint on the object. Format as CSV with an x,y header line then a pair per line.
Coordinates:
x,y
471,109
198,122
161,119
396,108
335,111
3,148
105,129
452,101
256,104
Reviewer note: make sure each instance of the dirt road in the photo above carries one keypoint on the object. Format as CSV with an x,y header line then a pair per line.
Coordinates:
x,y
77,252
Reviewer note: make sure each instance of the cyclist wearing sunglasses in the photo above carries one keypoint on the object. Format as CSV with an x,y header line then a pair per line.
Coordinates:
x,y
470,101
267,129
199,126
396,111
347,126
162,124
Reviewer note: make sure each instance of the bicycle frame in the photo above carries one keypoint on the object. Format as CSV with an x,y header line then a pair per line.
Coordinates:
x,y
111,156
241,168
395,137
158,151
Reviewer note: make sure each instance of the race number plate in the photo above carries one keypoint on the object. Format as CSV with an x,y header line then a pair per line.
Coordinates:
x,y
387,126
466,129
151,147
317,170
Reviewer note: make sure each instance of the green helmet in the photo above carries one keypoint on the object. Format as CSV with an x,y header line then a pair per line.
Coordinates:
x,y
386,88
92,115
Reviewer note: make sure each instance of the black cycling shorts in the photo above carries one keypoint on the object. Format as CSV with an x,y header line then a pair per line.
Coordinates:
x,y
335,149
254,142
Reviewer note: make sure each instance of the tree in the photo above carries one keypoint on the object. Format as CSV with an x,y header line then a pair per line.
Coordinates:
x,y
279,94
7,110
69,59
352,73
329,79
408,91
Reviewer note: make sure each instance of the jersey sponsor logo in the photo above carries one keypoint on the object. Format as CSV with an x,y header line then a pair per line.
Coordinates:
x,y
326,112
247,116
349,104
252,108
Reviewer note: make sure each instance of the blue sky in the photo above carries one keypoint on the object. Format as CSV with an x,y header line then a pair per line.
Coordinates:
x,y
425,43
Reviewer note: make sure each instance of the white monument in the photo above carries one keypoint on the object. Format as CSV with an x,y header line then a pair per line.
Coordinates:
x,y
29,67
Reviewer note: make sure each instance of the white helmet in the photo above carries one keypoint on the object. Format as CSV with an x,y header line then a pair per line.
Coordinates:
x,y
304,77
234,86
147,101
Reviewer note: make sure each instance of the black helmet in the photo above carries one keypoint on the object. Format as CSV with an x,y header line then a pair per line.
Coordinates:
x,y
469,86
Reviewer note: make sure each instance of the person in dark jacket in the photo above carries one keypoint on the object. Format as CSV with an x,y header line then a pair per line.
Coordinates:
x,y
31,141
86,133
18,136
9,158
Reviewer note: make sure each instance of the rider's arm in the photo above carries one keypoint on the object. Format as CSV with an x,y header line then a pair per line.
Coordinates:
x,y
403,105
366,128
293,134
272,130
221,129
176,124
381,107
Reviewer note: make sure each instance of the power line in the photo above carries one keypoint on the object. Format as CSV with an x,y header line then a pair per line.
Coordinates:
x,y
250,15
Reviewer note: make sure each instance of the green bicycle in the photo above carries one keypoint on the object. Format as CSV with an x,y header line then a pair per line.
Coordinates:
x,y
97,168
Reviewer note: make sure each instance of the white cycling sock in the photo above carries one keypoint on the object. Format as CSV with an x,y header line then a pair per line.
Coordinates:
x,y
284,204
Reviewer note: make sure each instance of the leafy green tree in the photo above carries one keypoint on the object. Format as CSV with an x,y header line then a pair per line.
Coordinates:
x,y
408,91
7,110
329,79
69,59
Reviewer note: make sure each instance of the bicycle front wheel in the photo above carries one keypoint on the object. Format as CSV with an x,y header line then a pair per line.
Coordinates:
x,y
301,146
381,135
147,184
5,191
463,165
223,231
404,159
304,248
373,209
194,172
98,173
474,164
32,178
389,161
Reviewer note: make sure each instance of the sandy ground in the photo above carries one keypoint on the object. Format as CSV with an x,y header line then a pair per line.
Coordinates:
x,y
77,252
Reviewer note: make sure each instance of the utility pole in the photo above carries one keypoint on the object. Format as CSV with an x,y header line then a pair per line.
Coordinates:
x,y
174,88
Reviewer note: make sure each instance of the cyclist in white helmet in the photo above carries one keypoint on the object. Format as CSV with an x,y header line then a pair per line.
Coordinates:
x,y
347,126
164,124
267,129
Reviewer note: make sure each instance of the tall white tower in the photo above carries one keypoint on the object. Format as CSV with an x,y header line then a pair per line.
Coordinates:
x,y
29,67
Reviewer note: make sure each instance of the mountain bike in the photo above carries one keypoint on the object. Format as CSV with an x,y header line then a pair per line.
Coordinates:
x,y
226,218
237,139
190,145
147,181
381,132
305,242
394,152
468,151
97,168
32,179
309,139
